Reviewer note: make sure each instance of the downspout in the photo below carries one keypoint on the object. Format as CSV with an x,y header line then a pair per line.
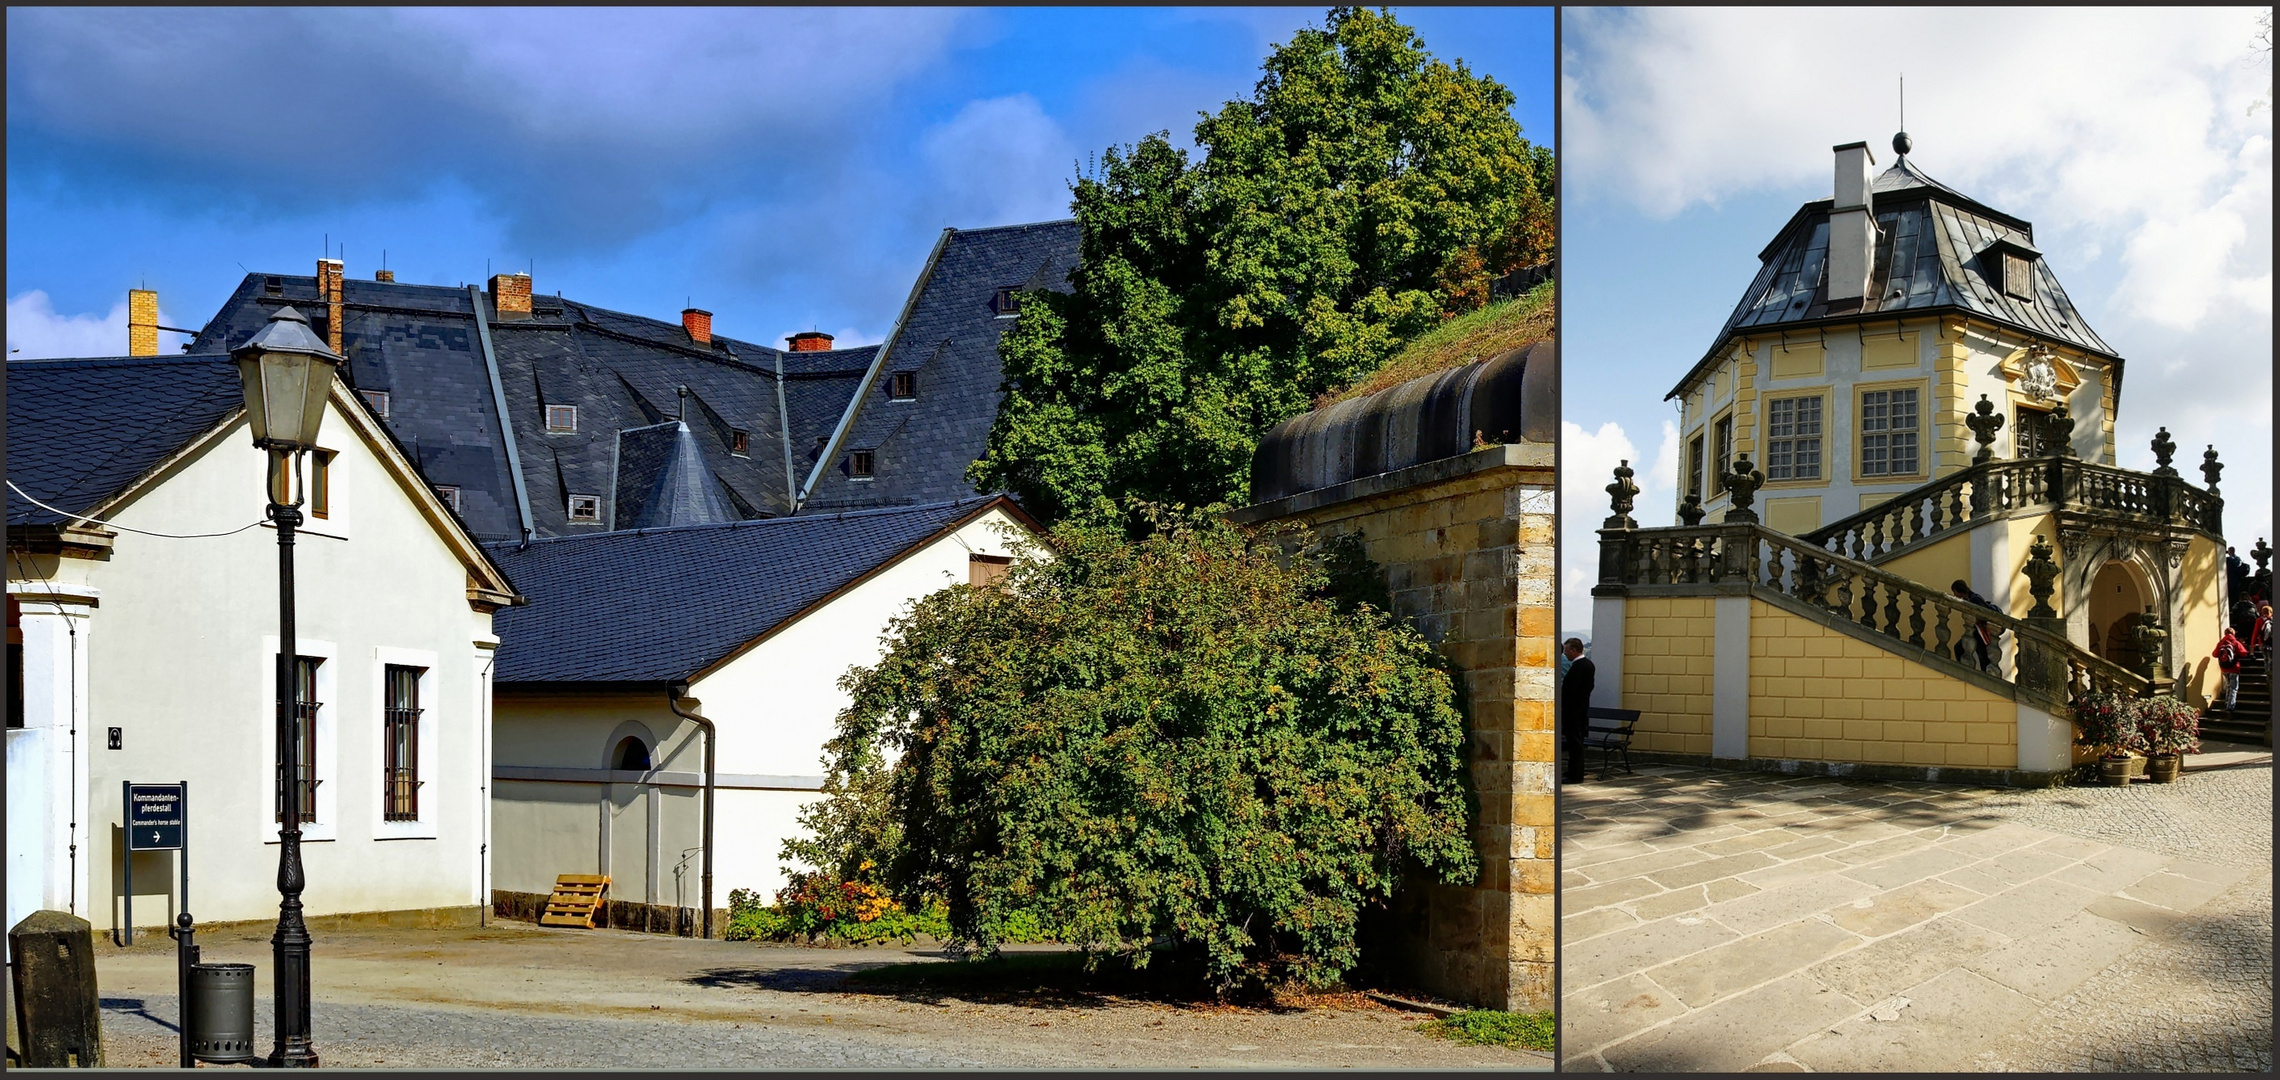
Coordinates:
x,y
784,428
499,398
871,376
673,692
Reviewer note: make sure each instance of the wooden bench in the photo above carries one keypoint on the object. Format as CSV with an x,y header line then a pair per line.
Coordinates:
x,y
576,899
1612,740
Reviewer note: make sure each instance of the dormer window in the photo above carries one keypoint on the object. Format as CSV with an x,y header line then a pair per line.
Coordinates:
x,y
585,508
561,419
2010,267
903,386
1008,302
377,401
2018,276
739,442
449,494
860,464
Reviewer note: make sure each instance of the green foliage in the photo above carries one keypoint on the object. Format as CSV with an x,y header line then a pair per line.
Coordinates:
x,y
1364,192
2167,725
1181,739
1494,1027
2108,724
819,907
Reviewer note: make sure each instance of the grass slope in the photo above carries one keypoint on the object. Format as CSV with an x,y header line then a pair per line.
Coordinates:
x,y
1474,335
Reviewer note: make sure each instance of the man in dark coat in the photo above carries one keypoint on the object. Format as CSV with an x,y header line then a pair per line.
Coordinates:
x,y
1575,709
1981,640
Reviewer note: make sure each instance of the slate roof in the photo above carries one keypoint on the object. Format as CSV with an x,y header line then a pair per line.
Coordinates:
x,y
657,605
420,344
82,431
949,342
1931,255
662,480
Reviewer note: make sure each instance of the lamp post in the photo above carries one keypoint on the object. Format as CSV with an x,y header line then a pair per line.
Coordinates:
x,y
287,373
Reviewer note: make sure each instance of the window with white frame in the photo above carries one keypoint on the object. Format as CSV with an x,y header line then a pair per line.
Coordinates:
x,y
1888,432
400,746
1793,438
561,419
304,749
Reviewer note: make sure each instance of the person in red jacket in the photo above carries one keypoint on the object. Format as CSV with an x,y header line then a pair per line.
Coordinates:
x,y
2230,654
2260,634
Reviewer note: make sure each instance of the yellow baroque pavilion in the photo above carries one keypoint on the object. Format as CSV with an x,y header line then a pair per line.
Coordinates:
x,y
1904,398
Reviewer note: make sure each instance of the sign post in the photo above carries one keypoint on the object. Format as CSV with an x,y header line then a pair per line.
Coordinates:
x,y
156,820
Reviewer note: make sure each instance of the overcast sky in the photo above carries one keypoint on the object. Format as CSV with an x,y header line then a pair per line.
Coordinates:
x,y
785,168
2138,142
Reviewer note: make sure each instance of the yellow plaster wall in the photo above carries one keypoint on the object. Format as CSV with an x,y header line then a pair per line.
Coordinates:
x,y
1667,671
1878,351
1793,515
1745,406
2200,622
1820,695
1951,440
1798,361
1939,563
2023,533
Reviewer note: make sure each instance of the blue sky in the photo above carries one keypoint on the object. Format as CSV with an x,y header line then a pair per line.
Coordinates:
x,y
2139,143
785,168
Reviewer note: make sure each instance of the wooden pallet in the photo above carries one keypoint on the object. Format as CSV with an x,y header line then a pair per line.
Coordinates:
x,y
576,900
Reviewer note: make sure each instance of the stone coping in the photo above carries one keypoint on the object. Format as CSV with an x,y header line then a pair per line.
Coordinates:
x,y
1513,455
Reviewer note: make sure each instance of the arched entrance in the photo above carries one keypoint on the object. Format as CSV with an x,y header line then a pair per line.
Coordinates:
x,y
2118,592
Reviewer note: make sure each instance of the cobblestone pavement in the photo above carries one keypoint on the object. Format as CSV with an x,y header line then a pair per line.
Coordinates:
x,y
518,995
1742,921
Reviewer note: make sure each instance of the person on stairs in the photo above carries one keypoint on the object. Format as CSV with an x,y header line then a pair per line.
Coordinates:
x,y
2230,654
1982,633
2260,635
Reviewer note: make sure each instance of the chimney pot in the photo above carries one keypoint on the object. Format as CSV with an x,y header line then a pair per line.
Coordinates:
x,y
142,322
510,296
1852,226
698,323
810,341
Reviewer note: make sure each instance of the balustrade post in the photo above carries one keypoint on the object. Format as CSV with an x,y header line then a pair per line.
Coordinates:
x,y
1617,535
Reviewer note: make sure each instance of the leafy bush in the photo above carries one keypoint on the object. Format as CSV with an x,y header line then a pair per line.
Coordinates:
x,y
2167,725
1494,1027
2107,724
1182,739
820,906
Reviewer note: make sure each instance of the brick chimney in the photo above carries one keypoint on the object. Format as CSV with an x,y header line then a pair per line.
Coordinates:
x,y
810,341
1852,227
510,296
142,322
698,323
332,291
383,275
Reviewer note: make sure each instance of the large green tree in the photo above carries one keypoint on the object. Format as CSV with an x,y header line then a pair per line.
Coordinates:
x,y
1365,191
1184,738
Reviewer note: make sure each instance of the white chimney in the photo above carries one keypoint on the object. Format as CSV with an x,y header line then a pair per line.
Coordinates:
x,y
1852,225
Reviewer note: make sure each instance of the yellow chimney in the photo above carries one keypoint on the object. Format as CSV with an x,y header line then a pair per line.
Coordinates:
x,y
142,322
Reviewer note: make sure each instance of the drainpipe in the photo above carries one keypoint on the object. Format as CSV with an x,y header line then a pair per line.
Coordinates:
x,y
673,693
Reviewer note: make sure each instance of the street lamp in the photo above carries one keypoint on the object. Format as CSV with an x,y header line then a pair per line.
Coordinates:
x,y
288,373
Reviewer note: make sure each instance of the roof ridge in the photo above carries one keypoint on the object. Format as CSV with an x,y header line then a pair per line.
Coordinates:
x,y
747,523
120,361
1023,225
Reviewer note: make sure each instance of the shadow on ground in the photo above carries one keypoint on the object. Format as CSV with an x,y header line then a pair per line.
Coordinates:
x,y
1038,980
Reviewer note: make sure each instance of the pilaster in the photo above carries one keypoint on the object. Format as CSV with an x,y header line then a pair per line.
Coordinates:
x,y
1730,686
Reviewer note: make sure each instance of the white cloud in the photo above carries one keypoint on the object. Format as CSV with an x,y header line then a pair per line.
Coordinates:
x,y
999,161
37,332
1587,465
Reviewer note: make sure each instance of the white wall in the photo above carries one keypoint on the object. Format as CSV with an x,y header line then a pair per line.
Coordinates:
x,y
180,658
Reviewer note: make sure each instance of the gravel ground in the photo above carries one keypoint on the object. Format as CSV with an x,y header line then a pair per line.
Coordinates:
x,y
523,996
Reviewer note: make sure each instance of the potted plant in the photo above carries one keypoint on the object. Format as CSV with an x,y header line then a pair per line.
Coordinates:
x,y
2108,724
2170,729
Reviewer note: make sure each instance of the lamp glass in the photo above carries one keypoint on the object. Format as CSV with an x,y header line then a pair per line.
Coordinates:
x,y
285,396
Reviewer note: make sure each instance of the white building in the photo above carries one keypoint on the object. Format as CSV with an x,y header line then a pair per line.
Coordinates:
x,y
597,773
151,658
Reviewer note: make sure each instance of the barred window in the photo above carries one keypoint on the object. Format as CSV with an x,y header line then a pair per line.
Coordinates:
x,y
304,740
1793,439
1888,432
400,730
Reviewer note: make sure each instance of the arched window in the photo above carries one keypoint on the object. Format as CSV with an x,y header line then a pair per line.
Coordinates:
x,y
633,754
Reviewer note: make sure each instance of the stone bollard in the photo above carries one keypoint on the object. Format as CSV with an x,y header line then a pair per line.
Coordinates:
x,y
58,1015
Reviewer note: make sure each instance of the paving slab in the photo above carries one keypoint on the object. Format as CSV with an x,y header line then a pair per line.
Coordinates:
x,y
1898,909
1883,968
1991,876
2026,910
2173,891
1759,958
1913,867
2145,918
1612,1011
1674,902
1695,873
1792,870
1612,956
2044,967
1591,924
1933,1027
1788,903
1584,899
1736,1033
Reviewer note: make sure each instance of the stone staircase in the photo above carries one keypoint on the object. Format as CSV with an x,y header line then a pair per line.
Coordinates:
x,y
2251,718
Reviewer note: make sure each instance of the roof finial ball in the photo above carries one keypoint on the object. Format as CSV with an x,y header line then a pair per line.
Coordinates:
x,y
1901,144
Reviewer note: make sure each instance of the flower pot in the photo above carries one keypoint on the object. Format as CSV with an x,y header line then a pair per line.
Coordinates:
x,y
2162,768
2115,771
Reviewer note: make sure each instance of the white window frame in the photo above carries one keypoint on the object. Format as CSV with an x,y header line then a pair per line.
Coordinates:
x,y
327,825
339,496
569,505
1887,431
548,418
431,699
376,402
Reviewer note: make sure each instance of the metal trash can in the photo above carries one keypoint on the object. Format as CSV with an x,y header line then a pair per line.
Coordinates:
x,y
220,1012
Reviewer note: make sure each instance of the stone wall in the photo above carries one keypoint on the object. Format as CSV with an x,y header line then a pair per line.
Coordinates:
x,y
1466,547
